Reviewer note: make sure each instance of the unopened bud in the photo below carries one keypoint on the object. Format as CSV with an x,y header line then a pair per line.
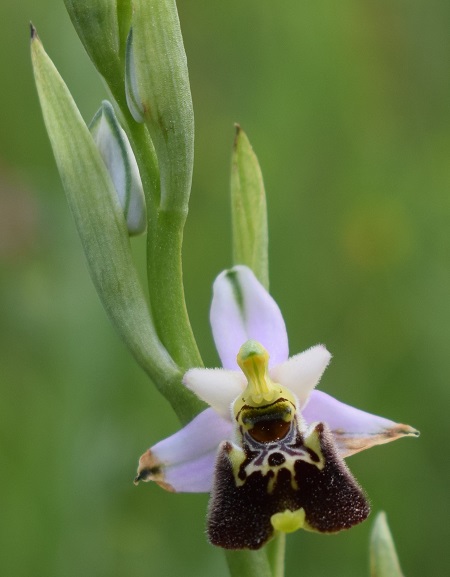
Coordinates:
x,y
114,147
131,89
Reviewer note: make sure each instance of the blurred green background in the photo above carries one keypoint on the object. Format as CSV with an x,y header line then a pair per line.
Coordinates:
x,y
347,105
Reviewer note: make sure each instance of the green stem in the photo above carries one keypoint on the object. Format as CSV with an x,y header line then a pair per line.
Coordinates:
x,y
276,550
166,288
248,563
185,404
148,165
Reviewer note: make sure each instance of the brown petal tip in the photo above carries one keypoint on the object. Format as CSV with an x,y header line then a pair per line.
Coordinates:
x,y
151,469
401,430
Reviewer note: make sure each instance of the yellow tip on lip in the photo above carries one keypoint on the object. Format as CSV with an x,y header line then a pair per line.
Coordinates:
x,y
288,521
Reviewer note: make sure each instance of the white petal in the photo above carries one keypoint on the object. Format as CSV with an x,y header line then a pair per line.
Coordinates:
x,y
302,372
242,309
353,430
217,387
184,462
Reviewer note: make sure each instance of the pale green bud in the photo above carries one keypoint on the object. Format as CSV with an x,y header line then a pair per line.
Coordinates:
x,y
115,149
159,93
131,88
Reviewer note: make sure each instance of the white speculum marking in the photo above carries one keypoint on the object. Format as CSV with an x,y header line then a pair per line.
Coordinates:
x,y
274,456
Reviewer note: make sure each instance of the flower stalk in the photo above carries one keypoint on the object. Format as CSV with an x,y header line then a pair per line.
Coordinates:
x,y
249,564
276,550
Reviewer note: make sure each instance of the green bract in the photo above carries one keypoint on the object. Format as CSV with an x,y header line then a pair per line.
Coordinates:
x,y
248,209
383,557
102,26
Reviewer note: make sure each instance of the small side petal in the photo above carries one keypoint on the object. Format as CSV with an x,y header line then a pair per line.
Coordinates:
x,y
217,387
184,462
353,430
302,372
242,309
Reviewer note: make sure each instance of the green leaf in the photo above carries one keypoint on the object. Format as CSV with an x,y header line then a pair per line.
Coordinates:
x,y
162,88
383,557
103,232
248,209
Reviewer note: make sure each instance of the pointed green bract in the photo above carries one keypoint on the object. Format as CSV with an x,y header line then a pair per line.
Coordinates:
x,y
162,88
248,209
103,232
99,24
383,557
115,149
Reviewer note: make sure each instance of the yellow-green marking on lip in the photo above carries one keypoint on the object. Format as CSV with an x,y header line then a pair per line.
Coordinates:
x,y
261,390
288,521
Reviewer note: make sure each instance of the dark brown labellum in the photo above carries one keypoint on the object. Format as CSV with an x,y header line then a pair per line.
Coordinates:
x,y
305,473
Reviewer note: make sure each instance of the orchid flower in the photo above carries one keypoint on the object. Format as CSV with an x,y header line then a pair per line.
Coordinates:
x,y
270,448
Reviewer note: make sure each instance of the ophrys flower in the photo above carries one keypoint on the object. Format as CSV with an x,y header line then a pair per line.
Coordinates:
x,y
270,448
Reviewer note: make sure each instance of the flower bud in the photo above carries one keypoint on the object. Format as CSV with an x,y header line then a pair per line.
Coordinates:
x,y
114,147
131,89
158,84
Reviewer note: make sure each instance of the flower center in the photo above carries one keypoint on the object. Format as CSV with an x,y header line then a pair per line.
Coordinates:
x,y
254,361
266,409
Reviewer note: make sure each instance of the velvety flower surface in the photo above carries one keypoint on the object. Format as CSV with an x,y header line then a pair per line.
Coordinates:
x,y
268,434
